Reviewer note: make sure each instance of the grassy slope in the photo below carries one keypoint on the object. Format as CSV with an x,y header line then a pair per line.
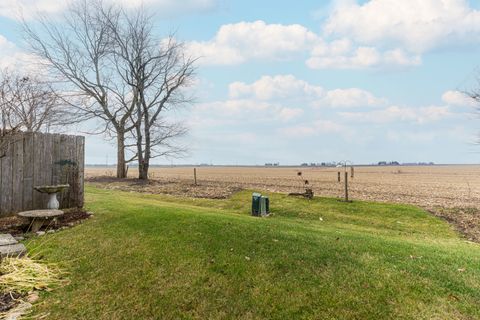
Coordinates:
x,y
160,257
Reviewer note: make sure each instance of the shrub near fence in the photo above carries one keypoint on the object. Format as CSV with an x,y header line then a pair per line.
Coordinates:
x,y
36,159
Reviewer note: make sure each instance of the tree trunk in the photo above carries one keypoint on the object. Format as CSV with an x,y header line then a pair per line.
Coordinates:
x,y
147,155
138,129
121,164
143,171
144,166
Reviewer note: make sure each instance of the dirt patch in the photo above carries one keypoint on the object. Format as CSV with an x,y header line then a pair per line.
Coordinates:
x,y
465,220
17,226
205,189
425,186
72,216
9,300
13,225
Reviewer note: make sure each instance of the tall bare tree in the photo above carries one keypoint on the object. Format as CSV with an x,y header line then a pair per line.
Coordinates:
x,y
124,75
158,71
79,51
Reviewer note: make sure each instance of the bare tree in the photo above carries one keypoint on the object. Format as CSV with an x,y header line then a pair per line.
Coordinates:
x,y
121,74
30,104
79,51
27,104
474,95
8,125
174,73
158,71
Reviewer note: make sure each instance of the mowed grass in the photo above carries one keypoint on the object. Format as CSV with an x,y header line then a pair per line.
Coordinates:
x,y
160,257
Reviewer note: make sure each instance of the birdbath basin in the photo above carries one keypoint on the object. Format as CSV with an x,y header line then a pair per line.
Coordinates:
x,y
39,217
52,192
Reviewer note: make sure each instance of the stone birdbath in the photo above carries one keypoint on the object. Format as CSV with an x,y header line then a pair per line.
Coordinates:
x,y
39,217
52,192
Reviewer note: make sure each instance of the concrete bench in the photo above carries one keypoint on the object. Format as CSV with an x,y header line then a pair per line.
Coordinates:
x,y
38,218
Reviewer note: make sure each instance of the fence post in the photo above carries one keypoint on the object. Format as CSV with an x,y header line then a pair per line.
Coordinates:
x,y
352,172
195,175
346,186
339,178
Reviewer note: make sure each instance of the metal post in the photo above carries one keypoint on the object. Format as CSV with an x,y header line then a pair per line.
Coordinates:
x,y
195,175
352,172
346,186
339,176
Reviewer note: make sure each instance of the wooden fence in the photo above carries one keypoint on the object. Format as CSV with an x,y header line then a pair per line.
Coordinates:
x,y
38,159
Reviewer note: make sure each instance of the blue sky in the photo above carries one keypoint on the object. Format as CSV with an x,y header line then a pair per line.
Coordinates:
x,y
313,81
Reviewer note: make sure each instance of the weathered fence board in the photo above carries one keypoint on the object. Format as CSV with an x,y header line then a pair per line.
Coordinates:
x,y
17,183
6,181
28,172
81,168
36,159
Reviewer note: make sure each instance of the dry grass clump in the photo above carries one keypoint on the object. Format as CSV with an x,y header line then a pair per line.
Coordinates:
x,y
20,277
24,275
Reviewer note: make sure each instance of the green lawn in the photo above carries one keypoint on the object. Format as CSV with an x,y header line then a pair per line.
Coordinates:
x,y
160,257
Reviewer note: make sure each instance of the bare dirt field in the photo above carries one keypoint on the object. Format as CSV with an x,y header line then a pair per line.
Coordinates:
x,y
451,192
446,186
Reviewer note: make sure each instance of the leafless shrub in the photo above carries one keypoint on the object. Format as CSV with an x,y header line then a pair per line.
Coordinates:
x,y
27,104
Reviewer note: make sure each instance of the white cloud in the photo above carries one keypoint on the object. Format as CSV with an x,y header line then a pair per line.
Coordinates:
x,y
343,54
170,5
457,133
315,128
284,103
275,87
415,25
377,33
247,109
13,58
289,89
232,107
239,42
29,8
399,114
411,137
6,45
350,98
287,114
457,98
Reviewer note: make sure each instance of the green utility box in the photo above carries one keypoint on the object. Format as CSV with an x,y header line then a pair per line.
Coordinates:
x,y
260,205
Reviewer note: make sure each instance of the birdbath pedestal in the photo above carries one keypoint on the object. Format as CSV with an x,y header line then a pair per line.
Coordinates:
x,y
39,217
52,192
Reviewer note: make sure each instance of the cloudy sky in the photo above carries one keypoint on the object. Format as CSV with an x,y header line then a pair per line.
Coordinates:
x,y
313,81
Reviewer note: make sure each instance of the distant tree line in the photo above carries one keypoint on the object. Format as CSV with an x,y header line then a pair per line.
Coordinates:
x,y
396,163
321,164
380,163
269,164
